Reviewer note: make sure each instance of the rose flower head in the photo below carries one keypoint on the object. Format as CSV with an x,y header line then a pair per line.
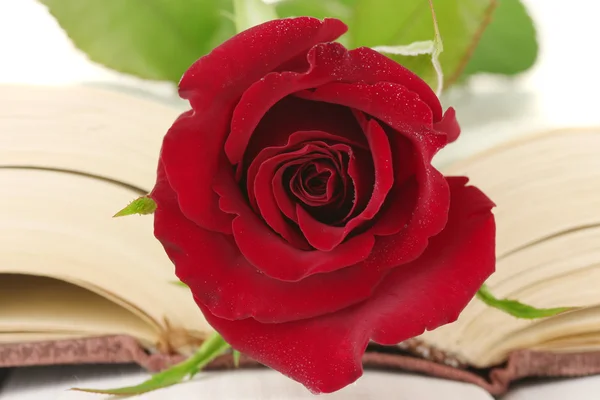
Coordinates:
x,y
298,202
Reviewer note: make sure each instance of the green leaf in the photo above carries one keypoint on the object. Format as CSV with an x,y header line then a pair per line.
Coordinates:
x,y
249,13
508,45
432,48
340,9
517,309
142,205
179,283
152,39
210,349
393,23
236,358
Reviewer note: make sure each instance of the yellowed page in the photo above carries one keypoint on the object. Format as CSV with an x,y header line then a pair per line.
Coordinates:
x,y
59,224
102,132
39,308
547,190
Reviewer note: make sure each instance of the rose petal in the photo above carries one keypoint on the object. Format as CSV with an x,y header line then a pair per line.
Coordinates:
x,y
383,168
391,103
428,217
291,144
325,237
226,283
320,235
375,67
194,145
190,153
361,173
263,192
410,121
325,60
322,170
325,353
226,72
329,62
398,209
448,125
292,114
401,201
272,255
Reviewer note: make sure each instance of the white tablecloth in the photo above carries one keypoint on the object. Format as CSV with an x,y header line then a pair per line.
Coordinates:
x,y
52,383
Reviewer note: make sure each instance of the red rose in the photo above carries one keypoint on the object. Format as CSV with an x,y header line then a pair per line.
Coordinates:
x,y
298,202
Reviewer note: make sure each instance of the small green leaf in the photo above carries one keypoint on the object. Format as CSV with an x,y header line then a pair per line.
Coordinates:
x,y
249,13
236,358
391,23
157,39
179,283
210,349
517,309
508,45
142,205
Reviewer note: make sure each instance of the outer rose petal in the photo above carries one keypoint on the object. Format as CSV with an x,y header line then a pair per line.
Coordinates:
x,y
329,62
230,287
382,100
225,73
324,353
193,146
325,59
448,125
190,153
380,68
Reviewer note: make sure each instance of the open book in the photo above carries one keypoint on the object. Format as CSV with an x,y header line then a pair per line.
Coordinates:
x,y
77,286
69,159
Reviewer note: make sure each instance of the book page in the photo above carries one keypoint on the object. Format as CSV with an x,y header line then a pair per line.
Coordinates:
x,y
112,134
39,308
547,191
60,225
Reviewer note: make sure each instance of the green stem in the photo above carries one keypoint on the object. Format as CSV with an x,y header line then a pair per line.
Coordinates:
x,y
516,308
210,349
213,347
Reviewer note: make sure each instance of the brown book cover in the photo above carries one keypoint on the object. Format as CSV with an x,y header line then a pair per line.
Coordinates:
x,y
125,349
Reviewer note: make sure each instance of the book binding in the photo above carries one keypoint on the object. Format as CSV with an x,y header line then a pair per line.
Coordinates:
x,y
125,349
